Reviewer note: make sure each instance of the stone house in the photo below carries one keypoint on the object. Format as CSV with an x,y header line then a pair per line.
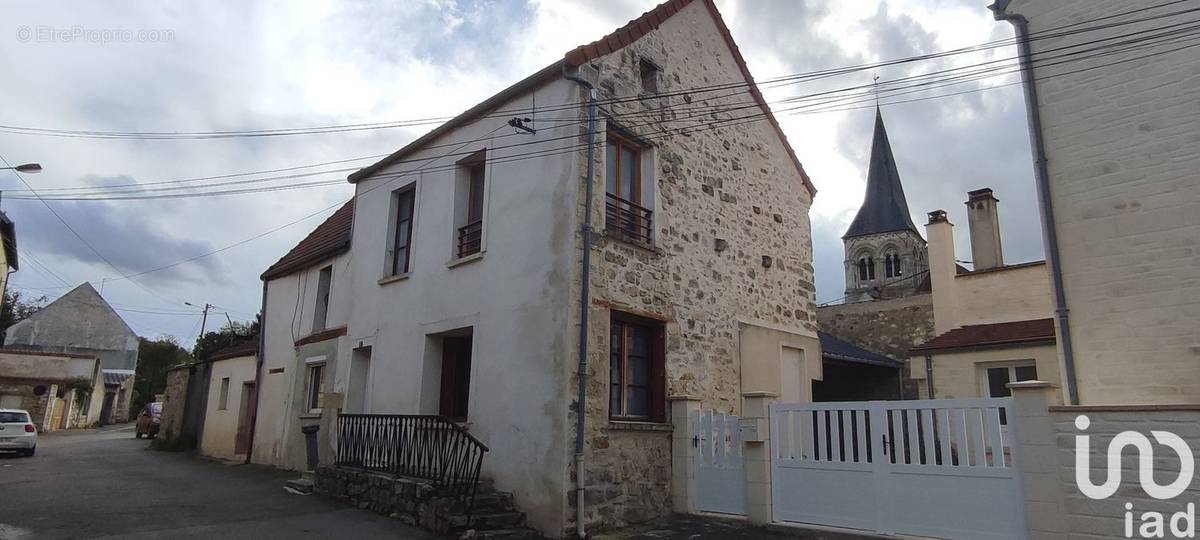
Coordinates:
x,y
993,323
459,292
59,390
82,322
1120,157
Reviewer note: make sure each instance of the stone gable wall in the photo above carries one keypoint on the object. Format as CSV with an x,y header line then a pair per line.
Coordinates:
x,y
732,241
889,327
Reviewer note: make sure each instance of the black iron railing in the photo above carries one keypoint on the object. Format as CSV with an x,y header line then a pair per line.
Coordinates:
x,y
629,219
470,238
420,446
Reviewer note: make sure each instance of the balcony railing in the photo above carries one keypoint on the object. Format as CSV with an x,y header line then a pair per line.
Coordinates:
x,y
628,219
419,446
470,238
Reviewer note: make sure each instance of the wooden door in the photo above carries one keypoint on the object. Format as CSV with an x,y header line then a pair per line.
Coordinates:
x,y
456,377
241,443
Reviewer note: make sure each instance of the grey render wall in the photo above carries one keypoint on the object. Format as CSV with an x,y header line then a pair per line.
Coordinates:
x,y
79,322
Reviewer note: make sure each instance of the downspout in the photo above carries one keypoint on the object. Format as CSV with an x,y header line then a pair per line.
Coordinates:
x,y
584,297
262,350
1042,178
929,376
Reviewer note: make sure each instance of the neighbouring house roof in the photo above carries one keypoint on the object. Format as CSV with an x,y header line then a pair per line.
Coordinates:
x,y
9,231
46,366
884,208
245,348
834,348
331,237
991,335
617,40
116,377
80,319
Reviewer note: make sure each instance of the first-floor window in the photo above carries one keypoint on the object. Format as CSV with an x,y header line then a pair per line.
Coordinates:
x,y
636,373
223,403
314,394
999,377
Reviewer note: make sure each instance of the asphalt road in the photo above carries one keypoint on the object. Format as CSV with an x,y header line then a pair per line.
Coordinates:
x,y
106,484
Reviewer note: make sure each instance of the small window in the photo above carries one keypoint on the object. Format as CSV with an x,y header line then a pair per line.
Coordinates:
x,y
403,204
324,281
222,402
636,372
891,265
624,213
871,268
315,390
648,72
862,270
468,209
998,378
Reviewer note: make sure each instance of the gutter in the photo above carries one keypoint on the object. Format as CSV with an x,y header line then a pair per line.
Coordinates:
x,y
585,230
262,342
1045,204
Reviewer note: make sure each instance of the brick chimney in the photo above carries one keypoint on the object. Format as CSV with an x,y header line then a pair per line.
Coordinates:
x,y
984,223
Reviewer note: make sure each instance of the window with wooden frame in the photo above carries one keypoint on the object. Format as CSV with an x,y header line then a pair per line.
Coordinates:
x,y
468,207
637,381
625,212
400,253
314,395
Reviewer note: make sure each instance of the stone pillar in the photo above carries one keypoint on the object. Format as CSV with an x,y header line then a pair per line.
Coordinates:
x,y
1035,455
756,454
684,454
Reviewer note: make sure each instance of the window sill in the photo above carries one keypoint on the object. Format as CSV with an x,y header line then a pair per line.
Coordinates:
x,y
310,416
633,425
464,260
610,236
395,278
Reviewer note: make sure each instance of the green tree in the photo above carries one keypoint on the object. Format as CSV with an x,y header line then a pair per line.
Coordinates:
x,y
16,308
155,357
229,334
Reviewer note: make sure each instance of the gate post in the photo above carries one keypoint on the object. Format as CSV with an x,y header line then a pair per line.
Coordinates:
x,y
683,453
1035,455
755,427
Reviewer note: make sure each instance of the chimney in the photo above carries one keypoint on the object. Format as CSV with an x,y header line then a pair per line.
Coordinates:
x,y
942,270
985,229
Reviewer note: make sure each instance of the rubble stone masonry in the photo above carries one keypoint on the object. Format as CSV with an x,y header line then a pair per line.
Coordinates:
x,y
731,242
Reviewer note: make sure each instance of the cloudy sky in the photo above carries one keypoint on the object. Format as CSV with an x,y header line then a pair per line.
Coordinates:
x,y
154,66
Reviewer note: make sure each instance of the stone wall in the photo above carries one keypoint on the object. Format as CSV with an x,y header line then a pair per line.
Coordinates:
x,y
413,502
731,243
174,402
889,327
1121,143
34,405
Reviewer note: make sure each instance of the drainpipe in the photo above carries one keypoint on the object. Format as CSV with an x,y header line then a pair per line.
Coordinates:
x,y
929,376
262,349
1042,178
584,293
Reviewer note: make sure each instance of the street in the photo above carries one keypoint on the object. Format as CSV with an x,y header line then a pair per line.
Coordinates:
x,y
107,484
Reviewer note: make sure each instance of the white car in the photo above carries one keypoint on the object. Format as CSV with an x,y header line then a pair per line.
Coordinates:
x,y
17,432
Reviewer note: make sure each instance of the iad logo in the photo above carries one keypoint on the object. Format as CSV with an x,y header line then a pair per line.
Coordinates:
x,y
1152,523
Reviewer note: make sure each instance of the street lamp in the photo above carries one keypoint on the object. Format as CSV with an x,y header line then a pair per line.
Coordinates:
x,y
28,168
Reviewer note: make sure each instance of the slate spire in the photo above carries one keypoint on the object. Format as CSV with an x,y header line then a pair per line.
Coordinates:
x,y
884,208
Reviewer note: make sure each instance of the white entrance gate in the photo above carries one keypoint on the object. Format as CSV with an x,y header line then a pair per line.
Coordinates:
x,y
719,471
941,468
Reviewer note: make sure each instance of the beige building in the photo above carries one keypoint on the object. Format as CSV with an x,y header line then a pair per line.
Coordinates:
x,y
993,324
1121,160
59,390
226,433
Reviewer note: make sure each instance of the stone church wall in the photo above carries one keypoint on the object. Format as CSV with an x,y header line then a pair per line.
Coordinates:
x,y
889,327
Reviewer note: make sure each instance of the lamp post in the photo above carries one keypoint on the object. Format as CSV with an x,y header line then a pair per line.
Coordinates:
x,y
28,168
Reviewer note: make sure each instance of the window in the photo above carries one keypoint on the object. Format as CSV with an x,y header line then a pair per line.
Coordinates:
x,y
403,203
315,388
223,401
468,208
891,265
636,372
997,379
648,72
13,418
323,283
623,210
866,268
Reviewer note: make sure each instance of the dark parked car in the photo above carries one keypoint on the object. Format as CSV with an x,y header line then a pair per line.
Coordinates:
x,y
148,420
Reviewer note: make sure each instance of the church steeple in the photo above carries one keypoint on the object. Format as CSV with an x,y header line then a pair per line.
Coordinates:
x,y
884,208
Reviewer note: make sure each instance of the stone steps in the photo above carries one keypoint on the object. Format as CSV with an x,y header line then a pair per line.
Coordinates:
x,y
493,517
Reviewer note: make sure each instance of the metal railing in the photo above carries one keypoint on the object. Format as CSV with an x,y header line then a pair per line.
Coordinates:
x,y
627,218
470,238
428,447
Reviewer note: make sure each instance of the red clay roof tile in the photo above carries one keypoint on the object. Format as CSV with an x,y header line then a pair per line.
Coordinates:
x,y
991,335
328,239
